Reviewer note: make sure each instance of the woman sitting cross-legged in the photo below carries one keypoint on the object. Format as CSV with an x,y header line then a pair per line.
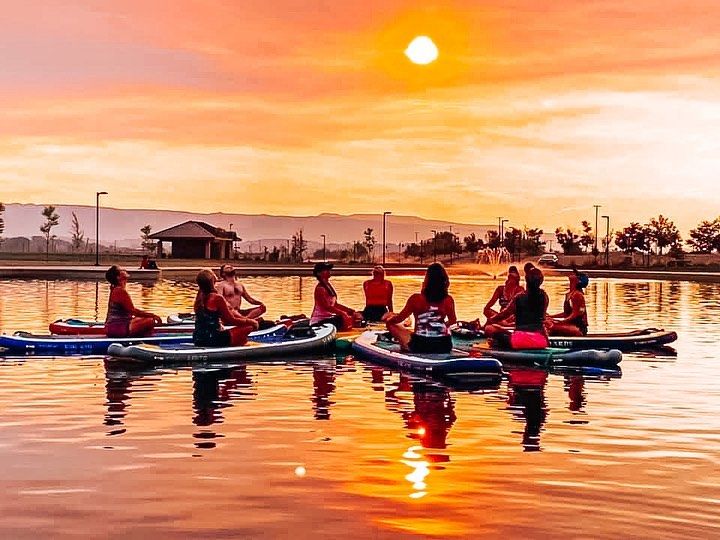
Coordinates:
x,y
211,311
433,309
530,311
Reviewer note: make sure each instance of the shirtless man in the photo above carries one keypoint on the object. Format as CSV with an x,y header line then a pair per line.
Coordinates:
x,y
234,292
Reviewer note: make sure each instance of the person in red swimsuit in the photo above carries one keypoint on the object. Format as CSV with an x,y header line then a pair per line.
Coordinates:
x,y
378,295
123,318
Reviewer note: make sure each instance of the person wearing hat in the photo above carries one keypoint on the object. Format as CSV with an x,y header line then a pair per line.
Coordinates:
x,y
573,320
378,295
234,292
529,309
327,309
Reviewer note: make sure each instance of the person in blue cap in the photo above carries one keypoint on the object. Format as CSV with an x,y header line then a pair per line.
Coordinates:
x,y
573,320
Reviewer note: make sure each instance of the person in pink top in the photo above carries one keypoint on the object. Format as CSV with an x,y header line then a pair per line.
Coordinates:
x,y
327,309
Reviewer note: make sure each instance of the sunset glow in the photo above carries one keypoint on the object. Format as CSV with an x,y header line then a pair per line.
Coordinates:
x,y
533,115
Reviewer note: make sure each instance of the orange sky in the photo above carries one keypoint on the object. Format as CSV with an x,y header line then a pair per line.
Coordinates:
x,y
301,107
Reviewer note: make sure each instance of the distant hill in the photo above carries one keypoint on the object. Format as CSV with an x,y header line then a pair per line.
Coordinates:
x,y
121,227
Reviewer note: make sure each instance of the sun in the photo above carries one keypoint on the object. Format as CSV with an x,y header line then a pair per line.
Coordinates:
x,y
422,50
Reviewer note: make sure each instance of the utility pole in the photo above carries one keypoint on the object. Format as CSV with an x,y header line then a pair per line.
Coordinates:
x,y
596,206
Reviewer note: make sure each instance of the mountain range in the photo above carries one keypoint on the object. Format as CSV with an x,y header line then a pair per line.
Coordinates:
x,y
121,227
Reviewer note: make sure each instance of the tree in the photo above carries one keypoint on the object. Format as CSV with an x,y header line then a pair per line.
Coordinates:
x,y
568,240
51,220
663,233
78,238
299,247
705,237
512,240
147,244
533,243
635,237
359,251
493,238
369,243
587,238
472,243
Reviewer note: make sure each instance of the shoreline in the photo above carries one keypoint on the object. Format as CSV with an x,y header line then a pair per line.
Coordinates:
x,y
187,272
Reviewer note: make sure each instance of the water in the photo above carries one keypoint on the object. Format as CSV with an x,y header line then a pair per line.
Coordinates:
x,y
333,446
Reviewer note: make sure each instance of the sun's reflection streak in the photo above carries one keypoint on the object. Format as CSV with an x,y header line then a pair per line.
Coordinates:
x,y
420,471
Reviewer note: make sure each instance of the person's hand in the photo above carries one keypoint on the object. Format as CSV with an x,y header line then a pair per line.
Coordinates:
x,y
387,316
255,324
347,322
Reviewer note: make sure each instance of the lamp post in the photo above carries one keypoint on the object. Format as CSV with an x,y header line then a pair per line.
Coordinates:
x,y
97,225
434,233
502,232
596,206
385,215
499,226
607,240
323,237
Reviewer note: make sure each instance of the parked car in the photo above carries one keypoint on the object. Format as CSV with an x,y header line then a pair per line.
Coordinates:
x,y
548,259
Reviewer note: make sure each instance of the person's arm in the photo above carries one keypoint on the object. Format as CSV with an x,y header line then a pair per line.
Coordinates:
x,y
390,296
404,313
229,317
577,305
123,298
487,310
323,299
451,316
560,315
250,299
505,313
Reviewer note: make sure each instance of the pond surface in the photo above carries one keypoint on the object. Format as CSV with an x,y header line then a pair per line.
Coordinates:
x,y
334,446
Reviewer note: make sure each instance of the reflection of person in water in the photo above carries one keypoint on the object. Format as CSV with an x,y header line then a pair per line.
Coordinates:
x,y
117,394
212,391
433,412
526,390
323,386
575,387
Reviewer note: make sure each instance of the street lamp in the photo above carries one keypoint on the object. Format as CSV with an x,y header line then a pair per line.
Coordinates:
x,y
499,225
97,225
502,231
434,233
607,240
385,214
323,237
596,206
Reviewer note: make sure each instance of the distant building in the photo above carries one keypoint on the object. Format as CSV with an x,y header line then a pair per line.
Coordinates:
x,y
196,240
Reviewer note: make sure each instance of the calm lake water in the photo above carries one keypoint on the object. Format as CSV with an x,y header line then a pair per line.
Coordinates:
x,y
333,446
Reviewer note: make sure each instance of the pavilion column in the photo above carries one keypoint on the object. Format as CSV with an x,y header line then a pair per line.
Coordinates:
x,y
207,249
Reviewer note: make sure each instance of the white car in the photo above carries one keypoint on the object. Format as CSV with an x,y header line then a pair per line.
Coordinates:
x,y
548,259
